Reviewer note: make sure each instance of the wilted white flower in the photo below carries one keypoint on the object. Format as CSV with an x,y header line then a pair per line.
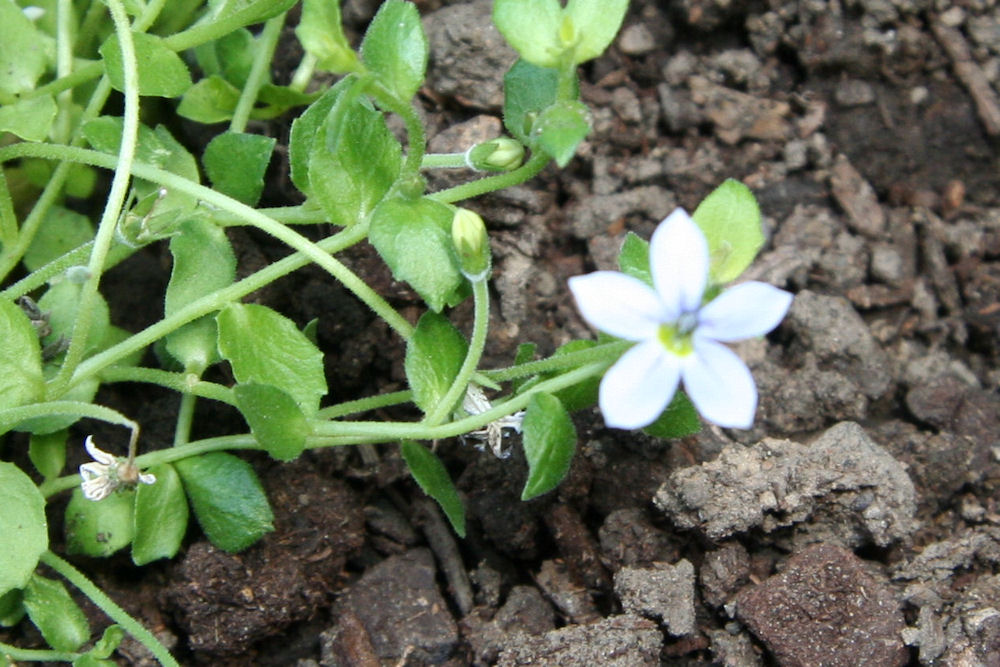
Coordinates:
x,y
679,338
108,473
476,403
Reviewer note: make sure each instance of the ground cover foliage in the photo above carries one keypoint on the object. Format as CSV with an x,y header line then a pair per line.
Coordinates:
x,y
857,522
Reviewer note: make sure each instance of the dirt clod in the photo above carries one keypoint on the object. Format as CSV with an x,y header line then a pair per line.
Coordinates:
x,y
825,608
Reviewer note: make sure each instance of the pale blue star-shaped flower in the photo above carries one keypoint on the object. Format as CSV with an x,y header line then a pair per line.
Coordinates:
x,y
679,338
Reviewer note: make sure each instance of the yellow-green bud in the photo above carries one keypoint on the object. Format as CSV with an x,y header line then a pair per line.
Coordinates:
x,y
468,233
568,36
500,154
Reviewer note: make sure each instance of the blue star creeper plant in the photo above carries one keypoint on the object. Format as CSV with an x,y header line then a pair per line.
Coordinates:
x,y
361,183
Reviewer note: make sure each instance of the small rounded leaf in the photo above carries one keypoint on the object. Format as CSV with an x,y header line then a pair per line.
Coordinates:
x,y
161,516
227,499
431,475
22,524
99,528
549,444
730,219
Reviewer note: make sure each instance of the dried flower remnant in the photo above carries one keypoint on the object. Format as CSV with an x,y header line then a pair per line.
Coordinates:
x,y
107,473
476,403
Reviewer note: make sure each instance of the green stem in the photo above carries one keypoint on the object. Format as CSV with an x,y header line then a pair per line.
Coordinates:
x,y
365,405
416,136
185,383
13,416
346,433
338,434
560,362
43,274
185,417
303,73
35,655
264,51
481,296
444,161
528,170
108,606
8,218
112,210
91,23
64,66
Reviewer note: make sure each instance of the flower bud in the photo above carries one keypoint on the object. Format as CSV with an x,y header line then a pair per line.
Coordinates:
x,y
468,233
500,154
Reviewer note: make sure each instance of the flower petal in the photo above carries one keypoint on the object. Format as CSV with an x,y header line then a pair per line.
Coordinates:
x,y
744,311
98,455
617,304
678,260
720,385
639,386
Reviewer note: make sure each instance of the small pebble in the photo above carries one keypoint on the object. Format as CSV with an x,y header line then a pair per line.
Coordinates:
x,y
854,93
636,39
953,17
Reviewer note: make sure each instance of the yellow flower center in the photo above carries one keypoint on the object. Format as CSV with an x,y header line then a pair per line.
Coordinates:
x,y
676,337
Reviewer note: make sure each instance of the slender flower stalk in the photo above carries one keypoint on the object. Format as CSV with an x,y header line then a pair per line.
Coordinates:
x,y
679,337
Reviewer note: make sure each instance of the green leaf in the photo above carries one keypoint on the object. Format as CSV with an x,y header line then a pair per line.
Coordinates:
x,y
227,498
434,355
528,90
230,56
106,645
267,348
203,263
22,524
679,420
354,161
730,219
99,528
583,394
549,443
62,302
62,230
560,129
162,73
48,452
633,259
11,608
431,475
236,163
20,359
24,51
306,129
255,11
211,100
322,35
531,27
414,239
158,210
595,22
274,418
30,119
395,48
161,516
55,614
